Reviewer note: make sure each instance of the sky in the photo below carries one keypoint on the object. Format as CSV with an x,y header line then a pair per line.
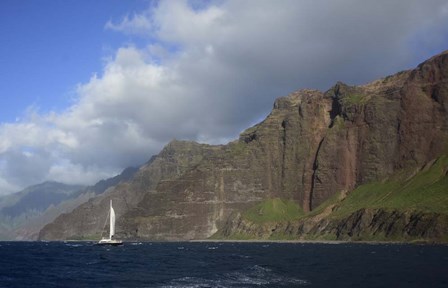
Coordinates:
x,y
88,88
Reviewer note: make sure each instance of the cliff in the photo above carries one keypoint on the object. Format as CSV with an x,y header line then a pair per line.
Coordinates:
x,y
311,147
410,205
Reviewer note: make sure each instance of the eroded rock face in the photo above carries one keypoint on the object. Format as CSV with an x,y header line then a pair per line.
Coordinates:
x,y
310,147
364,224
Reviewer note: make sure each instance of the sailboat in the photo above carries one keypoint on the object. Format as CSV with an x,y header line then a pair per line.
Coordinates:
x,y
111,240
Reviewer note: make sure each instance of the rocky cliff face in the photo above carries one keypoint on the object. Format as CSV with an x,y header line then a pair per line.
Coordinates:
x,y
312,146
364,224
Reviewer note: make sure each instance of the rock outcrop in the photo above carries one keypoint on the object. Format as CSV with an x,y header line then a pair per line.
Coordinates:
x,y
365,224
312,146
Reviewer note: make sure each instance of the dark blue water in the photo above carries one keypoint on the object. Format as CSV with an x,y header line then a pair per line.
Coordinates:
x,y
76,264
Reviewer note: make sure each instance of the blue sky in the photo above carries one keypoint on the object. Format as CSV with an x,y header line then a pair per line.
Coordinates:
x,y
91,87
48,47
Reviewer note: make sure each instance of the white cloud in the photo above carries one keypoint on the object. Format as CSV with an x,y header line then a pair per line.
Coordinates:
x,y
208,73
7,188
138,24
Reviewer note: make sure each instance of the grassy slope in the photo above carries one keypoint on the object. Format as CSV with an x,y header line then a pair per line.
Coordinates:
x,y
274,210
426,191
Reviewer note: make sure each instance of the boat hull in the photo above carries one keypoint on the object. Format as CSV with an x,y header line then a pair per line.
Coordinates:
x,y
110,242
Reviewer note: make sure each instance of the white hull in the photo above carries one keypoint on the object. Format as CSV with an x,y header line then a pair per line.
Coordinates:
x,y
110,242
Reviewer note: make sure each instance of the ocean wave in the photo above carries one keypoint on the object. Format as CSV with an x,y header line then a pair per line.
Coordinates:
x,y
249,277
73,244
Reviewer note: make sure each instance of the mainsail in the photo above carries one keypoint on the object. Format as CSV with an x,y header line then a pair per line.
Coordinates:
x,y
112,221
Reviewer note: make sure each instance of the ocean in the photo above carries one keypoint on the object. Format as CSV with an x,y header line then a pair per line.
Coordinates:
x,y
222,264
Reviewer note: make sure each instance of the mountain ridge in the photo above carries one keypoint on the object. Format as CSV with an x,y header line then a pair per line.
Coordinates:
x,y
312,146
23,214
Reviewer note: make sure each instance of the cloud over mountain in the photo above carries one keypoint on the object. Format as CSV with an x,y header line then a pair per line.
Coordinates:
x,y
205,72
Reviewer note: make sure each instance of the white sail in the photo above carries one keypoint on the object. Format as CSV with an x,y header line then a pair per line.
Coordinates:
x,y
110,240
112,221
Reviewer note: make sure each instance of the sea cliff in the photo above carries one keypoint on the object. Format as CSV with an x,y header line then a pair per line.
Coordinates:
x,y
352,163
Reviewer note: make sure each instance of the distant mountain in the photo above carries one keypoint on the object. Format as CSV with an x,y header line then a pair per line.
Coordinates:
x,y
355,163
18,208
24,213
103,185
38,198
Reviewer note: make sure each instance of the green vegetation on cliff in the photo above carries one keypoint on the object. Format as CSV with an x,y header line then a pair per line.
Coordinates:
x,y
426,191
274,210
411,205
354,99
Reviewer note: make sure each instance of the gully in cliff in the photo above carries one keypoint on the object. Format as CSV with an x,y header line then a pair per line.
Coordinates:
x,y
110,240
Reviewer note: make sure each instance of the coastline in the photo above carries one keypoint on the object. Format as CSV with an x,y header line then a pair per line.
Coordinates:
x,y
295,241
334,242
